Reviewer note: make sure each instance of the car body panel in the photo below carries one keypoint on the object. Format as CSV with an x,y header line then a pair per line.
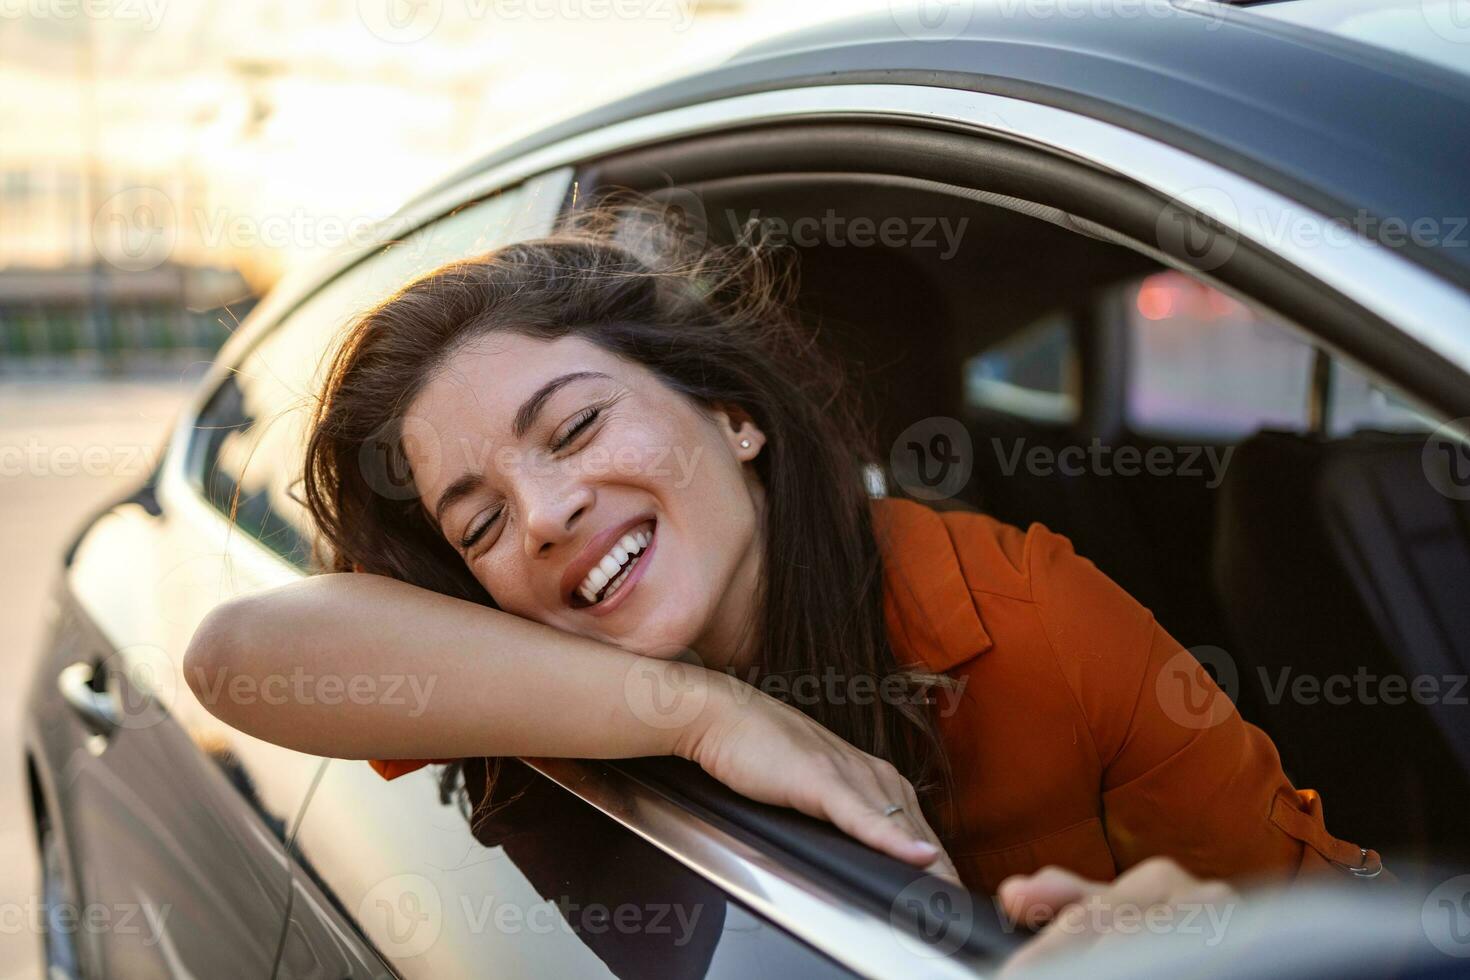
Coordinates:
x,y
1343,128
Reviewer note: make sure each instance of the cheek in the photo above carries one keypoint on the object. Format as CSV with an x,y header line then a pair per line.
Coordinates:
x,y
506,583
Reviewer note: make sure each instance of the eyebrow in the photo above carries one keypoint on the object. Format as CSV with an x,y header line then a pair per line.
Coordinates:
x,y
526,414
525,418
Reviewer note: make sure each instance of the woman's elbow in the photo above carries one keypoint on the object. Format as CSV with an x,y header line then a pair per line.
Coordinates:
x,y
216,654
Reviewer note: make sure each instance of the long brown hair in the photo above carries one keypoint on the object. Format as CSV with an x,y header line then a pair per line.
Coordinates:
x,y
715,323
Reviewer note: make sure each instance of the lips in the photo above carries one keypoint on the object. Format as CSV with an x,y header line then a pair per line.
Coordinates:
x,y
592,553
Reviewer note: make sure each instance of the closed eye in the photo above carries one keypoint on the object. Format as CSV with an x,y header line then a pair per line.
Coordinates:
x,y
476,532
584,418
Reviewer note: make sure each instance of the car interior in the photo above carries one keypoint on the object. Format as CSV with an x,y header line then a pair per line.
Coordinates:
x,y
1292,529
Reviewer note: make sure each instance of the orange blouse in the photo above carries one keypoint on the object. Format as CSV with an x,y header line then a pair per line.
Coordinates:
x,y
1079,732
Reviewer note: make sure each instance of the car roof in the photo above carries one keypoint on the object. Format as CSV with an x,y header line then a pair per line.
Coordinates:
x,y
1355,132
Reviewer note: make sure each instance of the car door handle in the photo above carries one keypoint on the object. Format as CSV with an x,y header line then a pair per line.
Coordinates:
x,y
96,710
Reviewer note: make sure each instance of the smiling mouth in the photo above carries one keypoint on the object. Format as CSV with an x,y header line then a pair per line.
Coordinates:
x,y
612,572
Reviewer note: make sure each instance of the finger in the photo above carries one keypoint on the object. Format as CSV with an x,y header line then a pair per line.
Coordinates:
x,y
1068,931
859,815
1088,917
1033,900
943,867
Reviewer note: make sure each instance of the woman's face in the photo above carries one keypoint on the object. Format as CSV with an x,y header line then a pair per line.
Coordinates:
x,y
584,493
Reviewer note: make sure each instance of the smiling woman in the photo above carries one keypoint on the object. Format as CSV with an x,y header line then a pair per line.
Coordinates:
x,y
629,473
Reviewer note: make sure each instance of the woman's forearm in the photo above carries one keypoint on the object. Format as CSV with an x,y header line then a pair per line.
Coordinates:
x,y
361,666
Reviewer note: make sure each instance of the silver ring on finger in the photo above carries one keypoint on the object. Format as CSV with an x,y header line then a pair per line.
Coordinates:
x,y
891,809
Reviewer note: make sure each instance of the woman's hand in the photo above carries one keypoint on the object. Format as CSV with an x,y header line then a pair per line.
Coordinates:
x,y
1079,914
771,752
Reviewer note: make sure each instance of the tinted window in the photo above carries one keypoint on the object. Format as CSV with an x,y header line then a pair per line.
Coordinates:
x,y
1032,374
1203,363
247,454
1357,402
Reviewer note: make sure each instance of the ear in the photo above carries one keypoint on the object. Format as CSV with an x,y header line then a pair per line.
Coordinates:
x,y
739,430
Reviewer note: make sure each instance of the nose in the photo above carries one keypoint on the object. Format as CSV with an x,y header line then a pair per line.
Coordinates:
x,y
552,511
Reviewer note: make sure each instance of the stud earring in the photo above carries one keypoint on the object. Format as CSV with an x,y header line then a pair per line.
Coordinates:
x,y
744,443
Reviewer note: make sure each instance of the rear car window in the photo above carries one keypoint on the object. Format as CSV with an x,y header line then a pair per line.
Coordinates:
x,y
246,456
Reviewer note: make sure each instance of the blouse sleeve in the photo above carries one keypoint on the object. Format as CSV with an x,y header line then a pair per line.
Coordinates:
x,y
1184,776
393,768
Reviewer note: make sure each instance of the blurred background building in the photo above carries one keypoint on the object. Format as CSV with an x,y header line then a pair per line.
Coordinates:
x,y
162,162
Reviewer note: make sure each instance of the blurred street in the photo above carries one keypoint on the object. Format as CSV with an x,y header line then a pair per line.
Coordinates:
x,y
67,447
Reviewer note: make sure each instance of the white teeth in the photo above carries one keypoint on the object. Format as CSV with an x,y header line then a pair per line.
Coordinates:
x,y
613,564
